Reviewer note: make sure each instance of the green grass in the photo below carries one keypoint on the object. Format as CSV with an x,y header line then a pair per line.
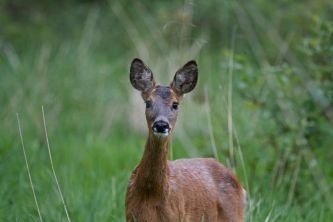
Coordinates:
x,y
260,105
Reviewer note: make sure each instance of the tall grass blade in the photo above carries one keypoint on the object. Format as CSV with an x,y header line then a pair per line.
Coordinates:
x,y
210,125
28,168
52,166
229,109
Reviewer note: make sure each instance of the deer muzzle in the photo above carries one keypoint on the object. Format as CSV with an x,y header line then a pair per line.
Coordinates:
x,y
161,128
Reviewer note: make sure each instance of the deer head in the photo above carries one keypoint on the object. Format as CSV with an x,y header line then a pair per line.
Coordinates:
x,y
162,101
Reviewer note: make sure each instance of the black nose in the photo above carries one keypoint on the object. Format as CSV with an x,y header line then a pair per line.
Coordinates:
x,y
161,127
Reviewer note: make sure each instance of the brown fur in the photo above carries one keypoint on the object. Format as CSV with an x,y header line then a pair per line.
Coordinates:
x,y
199,189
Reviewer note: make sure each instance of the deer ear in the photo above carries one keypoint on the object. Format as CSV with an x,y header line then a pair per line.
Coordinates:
x,y
185,78
141,76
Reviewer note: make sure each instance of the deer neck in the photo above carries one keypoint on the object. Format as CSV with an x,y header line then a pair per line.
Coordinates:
x,y
152,171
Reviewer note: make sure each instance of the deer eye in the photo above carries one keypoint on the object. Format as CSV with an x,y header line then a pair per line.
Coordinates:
x,y
148,104
174,105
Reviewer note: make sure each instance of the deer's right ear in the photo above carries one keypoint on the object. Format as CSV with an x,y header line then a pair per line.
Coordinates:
x,y
141,76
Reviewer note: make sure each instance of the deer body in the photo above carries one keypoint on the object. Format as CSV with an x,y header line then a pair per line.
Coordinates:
x,y
199,189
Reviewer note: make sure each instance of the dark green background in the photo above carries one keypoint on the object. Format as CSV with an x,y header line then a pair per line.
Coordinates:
x,y
263,101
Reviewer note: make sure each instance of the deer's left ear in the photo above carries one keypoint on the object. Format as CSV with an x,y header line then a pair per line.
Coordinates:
x,y
185,78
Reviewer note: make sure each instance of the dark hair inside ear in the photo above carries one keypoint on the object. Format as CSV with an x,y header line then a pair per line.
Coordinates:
x,y
141,76
185,78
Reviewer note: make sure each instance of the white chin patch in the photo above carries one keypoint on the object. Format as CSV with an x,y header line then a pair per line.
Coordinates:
x,y
159,134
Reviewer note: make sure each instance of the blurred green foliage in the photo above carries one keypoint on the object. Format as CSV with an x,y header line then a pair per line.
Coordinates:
x,y
72,57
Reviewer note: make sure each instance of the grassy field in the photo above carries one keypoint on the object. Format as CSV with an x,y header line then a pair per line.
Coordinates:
x,y
263,104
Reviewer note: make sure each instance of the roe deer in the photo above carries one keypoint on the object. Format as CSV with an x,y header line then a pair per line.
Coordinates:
x,y
199,189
